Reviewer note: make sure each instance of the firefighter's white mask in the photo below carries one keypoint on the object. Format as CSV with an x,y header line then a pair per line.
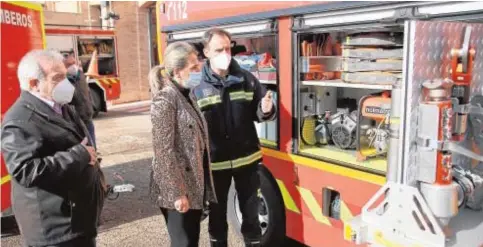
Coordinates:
x,y
221,61
63,92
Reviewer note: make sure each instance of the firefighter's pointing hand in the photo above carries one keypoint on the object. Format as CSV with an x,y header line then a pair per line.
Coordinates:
x,y
267,102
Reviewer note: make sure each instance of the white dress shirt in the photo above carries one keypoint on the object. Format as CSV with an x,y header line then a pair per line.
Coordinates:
x,y
46,101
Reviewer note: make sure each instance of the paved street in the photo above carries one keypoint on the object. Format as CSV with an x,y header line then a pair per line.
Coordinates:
x,y
125,141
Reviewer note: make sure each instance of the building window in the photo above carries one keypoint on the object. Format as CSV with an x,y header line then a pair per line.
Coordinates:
x,y
67,7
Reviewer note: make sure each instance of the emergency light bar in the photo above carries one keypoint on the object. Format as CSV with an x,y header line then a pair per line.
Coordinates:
x,y
232,29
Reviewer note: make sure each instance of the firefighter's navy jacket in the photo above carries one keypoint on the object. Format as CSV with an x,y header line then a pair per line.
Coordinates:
x,y
231,106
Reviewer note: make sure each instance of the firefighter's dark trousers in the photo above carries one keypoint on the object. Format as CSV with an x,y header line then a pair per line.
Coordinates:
x,y
247,184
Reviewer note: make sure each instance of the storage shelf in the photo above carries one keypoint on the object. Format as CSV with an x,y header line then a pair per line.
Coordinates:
x,y
378,164
271,82
340,83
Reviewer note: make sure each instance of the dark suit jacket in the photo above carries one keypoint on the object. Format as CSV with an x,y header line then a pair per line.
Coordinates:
x,y
55,192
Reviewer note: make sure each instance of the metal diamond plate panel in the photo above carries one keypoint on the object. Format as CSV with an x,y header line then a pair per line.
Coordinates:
x,y
430,58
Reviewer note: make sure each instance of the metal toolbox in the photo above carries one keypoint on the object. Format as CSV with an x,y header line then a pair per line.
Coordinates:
x,y
373,39
372,53
379,78
338,63
356,65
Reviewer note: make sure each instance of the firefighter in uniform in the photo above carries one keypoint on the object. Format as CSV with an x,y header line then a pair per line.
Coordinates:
x,y
231,99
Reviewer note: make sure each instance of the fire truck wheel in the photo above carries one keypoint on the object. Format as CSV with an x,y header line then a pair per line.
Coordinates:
x,y
96,102
271,211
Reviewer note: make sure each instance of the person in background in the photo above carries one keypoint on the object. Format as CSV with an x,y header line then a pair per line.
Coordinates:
x,y
231,99
57,191
82,97
181,182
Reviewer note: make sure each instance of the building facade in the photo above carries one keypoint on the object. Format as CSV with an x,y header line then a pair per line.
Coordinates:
x,y
135,31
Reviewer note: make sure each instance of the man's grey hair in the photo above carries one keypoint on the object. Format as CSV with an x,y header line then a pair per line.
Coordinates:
x,y
29,67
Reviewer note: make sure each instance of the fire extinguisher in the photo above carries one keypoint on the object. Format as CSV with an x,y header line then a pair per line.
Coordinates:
x,y
461,74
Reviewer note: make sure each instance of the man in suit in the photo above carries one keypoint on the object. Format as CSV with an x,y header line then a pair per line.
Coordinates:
x,y
57,188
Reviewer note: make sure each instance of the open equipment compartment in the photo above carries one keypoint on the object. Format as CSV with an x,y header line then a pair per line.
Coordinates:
x,y
258,55
105,53
256,52
345,76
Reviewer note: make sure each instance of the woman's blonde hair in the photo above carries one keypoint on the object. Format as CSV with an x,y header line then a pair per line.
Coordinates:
x,y
175,58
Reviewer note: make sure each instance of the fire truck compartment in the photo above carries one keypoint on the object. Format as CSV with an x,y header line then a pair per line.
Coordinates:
x,y
342,77
83,46
106,54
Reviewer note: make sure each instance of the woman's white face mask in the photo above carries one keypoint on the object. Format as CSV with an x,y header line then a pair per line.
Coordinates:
x,y
221,61
63,92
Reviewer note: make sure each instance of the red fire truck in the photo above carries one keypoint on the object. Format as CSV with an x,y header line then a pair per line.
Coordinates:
x,y
376,101
22,30
105,85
